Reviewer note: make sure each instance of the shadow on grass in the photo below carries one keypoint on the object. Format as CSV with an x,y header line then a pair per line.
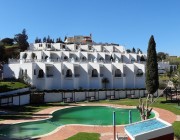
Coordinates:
x,y
26,112
169,101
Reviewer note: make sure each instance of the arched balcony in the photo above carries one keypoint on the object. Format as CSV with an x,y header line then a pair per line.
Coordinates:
x,y
68,73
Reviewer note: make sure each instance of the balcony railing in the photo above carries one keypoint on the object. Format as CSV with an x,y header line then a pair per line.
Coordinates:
x,y
12,61
117,75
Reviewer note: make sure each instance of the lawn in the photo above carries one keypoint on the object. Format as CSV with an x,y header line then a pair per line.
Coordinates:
x,y
8,86
85,136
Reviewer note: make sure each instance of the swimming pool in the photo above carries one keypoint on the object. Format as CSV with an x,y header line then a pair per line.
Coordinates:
x,y
84,115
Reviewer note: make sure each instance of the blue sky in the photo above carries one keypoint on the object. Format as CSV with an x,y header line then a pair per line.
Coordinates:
x,y
126,22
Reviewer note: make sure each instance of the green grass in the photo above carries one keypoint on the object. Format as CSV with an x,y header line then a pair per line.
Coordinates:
x,y
7,47
163,77
8,86
176,127
85,136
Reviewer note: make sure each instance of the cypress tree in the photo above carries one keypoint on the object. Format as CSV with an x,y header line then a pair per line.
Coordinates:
x,y
152,80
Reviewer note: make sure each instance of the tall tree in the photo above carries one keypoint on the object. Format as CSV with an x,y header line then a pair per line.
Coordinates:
x,y
152,80
8,41
161,56
48,39
44,40
21,40
133,50
37,40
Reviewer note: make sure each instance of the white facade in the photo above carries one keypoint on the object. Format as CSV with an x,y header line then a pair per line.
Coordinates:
x,y
49,66
163,67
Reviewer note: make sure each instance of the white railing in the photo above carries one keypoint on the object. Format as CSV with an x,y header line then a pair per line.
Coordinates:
x,y
12,61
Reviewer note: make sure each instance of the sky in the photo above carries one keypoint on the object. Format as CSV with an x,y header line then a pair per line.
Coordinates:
x,y
126,22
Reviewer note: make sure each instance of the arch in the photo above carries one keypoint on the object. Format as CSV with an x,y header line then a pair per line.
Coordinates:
x,y
68,73
83,58
117,73
40,73
139,72
65,58
101,58
94,73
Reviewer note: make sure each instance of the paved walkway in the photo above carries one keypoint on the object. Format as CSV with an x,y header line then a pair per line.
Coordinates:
x,y
106,132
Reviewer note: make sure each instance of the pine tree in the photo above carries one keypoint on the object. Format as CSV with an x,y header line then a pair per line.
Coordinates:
x,y
2,51
48,39
133,50
152,80
21,40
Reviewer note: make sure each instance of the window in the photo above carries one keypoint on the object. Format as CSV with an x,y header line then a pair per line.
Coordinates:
x,y
22,71
41,73
25,74
89,47
34,71
117,73
76,47
49,46
94,73
68,73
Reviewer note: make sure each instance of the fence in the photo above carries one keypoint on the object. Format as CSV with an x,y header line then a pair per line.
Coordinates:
x,y
77,96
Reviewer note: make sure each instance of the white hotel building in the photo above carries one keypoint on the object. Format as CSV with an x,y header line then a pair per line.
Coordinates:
x,y
49,66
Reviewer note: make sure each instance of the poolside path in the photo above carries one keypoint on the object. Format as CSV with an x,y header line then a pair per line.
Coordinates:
x,y
106,132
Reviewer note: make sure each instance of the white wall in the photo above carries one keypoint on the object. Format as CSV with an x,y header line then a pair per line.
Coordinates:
x,y
11,70
23,99
129,71
84,76
52,97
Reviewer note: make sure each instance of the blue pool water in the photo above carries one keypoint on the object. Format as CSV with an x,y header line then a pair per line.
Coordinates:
x,y
146,126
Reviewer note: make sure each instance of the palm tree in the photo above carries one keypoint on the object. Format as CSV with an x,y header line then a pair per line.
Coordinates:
x,y
175,82
105,81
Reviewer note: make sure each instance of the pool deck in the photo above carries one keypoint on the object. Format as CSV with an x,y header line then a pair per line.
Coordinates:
x,y
69,130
